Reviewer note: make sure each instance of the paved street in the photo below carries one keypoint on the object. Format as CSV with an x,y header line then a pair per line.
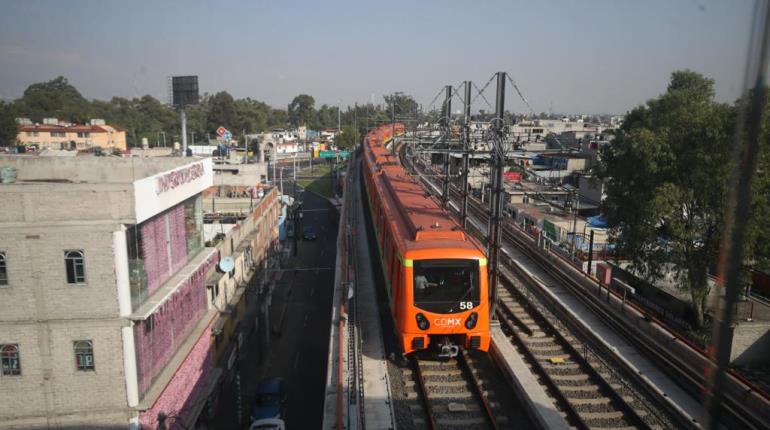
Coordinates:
x,y
299,316
300,339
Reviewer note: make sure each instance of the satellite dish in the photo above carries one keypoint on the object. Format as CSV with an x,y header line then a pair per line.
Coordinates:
x,y
227,264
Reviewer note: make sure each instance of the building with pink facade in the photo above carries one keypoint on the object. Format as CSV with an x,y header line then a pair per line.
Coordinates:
x,y
105,319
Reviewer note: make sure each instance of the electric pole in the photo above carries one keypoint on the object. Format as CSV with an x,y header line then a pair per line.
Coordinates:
x,y
466,150
447,138
496,198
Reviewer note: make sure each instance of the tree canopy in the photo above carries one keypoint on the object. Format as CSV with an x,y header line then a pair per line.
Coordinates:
x,y
401,104
7,125
301,110
147,117
56,98
666,191
348,138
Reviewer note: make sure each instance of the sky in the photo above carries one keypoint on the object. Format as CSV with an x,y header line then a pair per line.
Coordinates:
x,y
588,56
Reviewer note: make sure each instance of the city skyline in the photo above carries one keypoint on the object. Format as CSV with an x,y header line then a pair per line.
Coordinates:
x,y
596,57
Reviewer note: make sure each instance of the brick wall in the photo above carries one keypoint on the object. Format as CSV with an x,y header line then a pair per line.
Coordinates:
x,y
51,388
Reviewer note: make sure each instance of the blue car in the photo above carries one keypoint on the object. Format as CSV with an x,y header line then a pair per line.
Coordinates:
x,y
270,399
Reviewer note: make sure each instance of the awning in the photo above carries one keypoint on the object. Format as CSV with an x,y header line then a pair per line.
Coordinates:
x,y
597,221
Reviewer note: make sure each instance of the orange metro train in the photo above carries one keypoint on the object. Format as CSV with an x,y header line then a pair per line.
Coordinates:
x,y
436,274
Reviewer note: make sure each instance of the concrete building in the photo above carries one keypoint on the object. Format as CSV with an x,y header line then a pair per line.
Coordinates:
x,y
55,135
104,316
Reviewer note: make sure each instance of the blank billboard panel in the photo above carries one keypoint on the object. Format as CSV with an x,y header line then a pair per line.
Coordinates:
x,y
185,90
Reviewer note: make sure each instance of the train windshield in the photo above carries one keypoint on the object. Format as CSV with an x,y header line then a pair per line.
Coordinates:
x,y
446,286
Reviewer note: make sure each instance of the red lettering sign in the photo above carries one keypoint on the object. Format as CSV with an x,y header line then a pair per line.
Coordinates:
x,y
171,180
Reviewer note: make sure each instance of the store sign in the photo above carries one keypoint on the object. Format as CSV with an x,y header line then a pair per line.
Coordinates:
x,y
171,180
156,193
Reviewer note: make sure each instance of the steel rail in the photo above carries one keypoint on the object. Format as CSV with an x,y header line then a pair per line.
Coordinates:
x,y
477,387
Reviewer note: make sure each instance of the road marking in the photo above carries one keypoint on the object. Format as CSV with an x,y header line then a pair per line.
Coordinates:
x,y
304,324
296,360
312,291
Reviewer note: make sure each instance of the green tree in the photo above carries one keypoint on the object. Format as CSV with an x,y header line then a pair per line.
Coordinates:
x,y
400,103
348,138
758,234
222,112
301,110
8,128
326,117
278,118
56,98
666,184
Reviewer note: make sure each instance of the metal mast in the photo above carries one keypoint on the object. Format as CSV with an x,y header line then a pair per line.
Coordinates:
x,y
496,199
466,149
447,137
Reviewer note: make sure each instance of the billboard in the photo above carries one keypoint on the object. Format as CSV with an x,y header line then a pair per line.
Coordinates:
x,y
184,90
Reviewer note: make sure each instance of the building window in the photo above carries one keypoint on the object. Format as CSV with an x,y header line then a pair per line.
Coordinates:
x,y
32,134
9,357
76,266
84,134
58,134
3,270
84,355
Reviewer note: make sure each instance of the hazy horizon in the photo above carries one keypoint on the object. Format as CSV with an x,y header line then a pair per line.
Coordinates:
x,y
593,57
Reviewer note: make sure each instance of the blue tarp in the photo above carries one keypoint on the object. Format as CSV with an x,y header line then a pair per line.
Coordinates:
x,y
597,221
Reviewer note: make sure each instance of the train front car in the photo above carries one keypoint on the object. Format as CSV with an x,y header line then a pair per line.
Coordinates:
x,y
446,301
436,275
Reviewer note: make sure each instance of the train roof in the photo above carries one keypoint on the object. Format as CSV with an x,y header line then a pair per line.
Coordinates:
x,y
423,223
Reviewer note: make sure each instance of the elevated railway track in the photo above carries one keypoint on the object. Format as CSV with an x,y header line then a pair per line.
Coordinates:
x,y
622,393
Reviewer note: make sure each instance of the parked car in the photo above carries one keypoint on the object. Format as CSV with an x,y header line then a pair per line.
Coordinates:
x,y
268,424
309,234
269,400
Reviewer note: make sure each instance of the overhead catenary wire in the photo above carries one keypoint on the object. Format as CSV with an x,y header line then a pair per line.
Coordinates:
x,y
516,87
480,92
433,102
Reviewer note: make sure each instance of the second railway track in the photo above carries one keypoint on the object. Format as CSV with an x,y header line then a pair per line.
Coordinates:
x,y
589,393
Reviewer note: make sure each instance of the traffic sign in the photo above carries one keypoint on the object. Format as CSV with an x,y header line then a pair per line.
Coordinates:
x,y
333,154
221,131
228,136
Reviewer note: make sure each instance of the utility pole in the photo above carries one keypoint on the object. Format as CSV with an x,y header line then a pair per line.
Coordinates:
x,y
184,133
496,197
466,150
393,123
448,136
274,159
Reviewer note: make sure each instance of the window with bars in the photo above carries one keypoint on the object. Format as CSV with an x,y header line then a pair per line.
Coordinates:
x,y
84,355
3,270
74,262
9,358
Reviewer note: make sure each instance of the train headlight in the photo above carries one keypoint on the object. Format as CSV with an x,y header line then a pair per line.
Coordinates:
x,y
422,322
471,321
